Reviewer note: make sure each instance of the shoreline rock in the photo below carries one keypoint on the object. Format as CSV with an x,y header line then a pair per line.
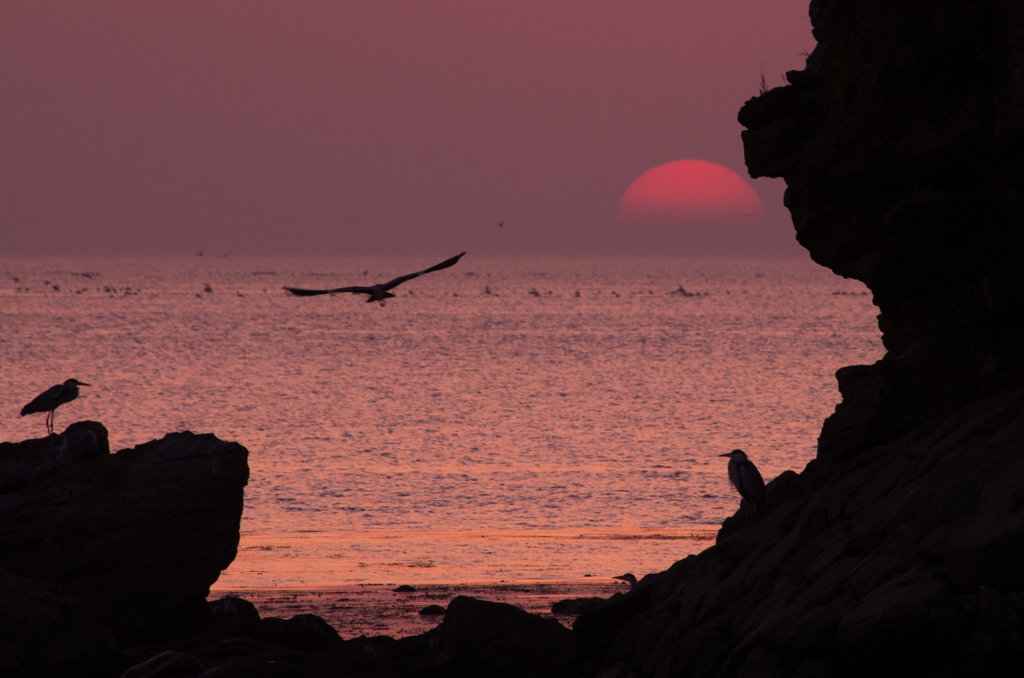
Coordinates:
x,y
907,557
138,536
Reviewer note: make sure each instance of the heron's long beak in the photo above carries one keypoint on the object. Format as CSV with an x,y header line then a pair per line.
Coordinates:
x,y
82,383
729,454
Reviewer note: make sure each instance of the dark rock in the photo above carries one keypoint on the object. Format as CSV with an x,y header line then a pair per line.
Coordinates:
x,y
477,638
892,624
233,610
762,663
168,664
303,632
24,462
900,144
44,634
377,657
816,668
405,588
575,606
432,611
232,616
482,638
890,565
138,536
613,612
898,550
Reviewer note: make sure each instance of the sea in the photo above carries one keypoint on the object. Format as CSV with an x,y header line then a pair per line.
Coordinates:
x,y
505,420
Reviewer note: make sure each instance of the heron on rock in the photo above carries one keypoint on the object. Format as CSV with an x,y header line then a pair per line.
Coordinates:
x,y
52,398
378,292
748,482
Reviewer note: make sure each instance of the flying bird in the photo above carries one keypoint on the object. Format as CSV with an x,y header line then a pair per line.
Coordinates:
x,y
748,482
378,292
52,398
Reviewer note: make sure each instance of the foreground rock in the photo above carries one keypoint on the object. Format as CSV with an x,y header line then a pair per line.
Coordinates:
x,y
477,638
898,551
24,462
907,561
901,144
138,536
45,634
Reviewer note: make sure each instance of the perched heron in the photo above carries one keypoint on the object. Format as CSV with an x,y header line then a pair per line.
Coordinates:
x,y
748,482
378,292
628,577
52,398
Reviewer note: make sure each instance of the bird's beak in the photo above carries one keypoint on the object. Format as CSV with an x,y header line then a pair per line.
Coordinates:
x,y
82,383
726,455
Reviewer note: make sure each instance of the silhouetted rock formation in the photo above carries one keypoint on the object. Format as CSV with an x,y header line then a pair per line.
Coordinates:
x,y
481,638
901,145
138,536
21,463
45,634
108,560
898,551
476,638
906,561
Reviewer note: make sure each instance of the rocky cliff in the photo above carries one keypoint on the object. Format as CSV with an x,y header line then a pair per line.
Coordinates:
x,y
110,548
901,146
898,551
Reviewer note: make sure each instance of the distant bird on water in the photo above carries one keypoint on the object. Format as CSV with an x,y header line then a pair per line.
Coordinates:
x,y
52,398
748,482
378,292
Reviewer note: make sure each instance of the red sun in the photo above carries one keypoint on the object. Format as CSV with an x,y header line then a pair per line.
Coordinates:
x,y
689,191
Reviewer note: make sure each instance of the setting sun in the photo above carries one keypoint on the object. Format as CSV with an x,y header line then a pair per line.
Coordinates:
x,y
686,191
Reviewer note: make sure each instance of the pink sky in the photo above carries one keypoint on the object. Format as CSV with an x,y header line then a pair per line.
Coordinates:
x,y
374,126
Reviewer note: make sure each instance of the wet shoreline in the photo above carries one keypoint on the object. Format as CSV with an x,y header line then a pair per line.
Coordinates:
x,y
377,609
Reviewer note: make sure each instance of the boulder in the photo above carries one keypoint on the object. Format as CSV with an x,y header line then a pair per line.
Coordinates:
x,y
572,607
303,632
432,611
483,638
43,633
138,536
233,616
24,462
167,664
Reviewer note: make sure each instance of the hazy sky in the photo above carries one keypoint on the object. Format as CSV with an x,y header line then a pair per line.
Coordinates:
x,y
375,126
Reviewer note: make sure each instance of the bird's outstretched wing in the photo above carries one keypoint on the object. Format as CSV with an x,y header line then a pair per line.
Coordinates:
x,y
312,293
401,279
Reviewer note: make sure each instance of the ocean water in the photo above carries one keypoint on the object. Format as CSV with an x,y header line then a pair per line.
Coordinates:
x,y
503,420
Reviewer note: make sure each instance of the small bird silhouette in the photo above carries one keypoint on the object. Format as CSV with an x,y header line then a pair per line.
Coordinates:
x,y
378,292
52,398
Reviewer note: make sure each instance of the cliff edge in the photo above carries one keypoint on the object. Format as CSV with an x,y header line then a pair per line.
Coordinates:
x,y
898,550
100,550
901,146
